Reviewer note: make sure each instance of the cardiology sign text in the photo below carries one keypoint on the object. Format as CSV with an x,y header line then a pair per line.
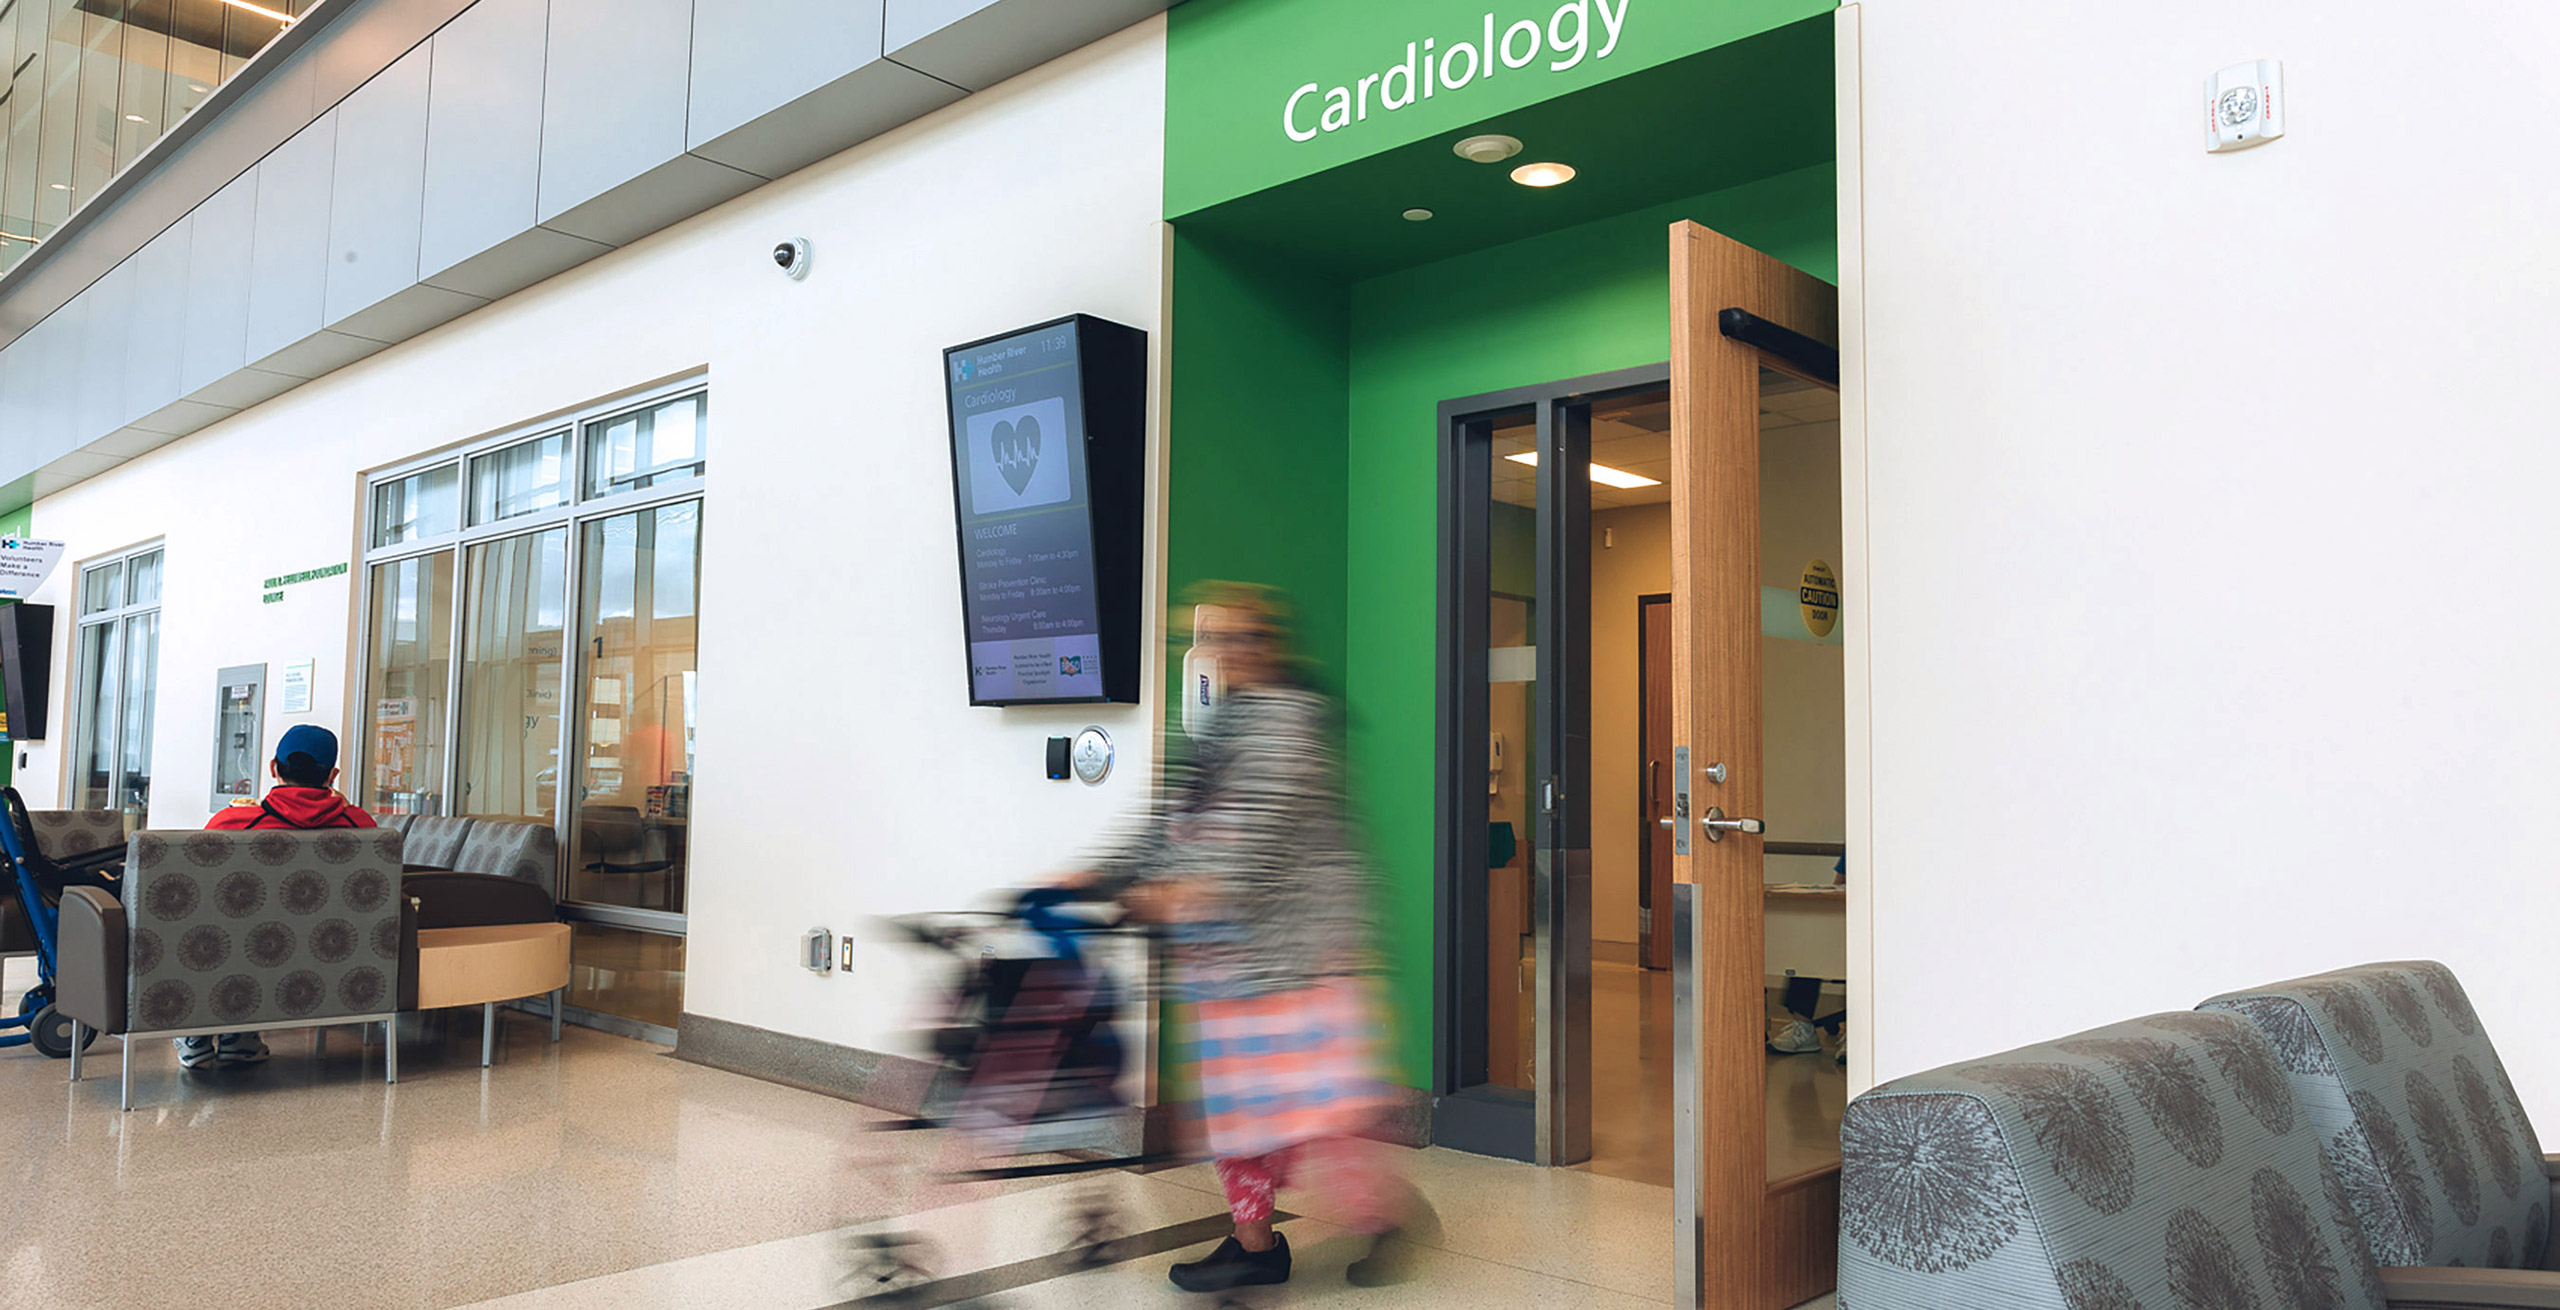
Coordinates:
x,y
1577,30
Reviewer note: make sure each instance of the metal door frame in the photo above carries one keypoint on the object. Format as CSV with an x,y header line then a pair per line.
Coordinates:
x,y
1552,1125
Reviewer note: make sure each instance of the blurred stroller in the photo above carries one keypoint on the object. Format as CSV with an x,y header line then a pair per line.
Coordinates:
x,y
1030,1063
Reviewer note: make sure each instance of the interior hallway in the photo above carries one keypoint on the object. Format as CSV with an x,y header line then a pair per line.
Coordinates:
x,y
600,1172
1631,1084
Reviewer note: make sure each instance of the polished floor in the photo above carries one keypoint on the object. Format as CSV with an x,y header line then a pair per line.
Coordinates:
x,y
600,1172
1631,1084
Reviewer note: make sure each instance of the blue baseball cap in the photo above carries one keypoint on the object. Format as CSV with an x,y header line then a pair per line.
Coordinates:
x,y
317,743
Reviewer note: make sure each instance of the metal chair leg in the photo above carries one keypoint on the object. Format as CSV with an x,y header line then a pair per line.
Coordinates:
x,y
488,1031
391,1050
79,1034
558,996
124,1088
320,1043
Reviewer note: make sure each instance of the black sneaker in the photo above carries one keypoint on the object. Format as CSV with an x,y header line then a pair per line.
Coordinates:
x,y
1233,1266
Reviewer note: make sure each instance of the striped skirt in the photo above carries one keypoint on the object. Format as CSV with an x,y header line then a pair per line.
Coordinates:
x,y
1290,1067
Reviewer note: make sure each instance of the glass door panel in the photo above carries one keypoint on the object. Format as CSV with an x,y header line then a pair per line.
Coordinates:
x,y
405,686
635,711
141,657
101,672
639,577
1512,764
516,609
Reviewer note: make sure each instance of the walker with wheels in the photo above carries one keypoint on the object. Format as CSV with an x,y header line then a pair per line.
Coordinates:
x,y
40,882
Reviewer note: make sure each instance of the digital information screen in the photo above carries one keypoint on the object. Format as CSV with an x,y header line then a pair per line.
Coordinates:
x,y
1027,574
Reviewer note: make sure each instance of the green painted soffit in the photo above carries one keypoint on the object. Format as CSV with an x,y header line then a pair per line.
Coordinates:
x,y
1232,66
1721,118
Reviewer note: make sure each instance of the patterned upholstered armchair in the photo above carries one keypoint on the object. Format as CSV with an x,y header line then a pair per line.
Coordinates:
x,y
435,840
2160,1163
2419,1119
527,850
59,835
232,931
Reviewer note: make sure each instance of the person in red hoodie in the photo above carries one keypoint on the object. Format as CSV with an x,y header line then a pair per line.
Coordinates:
x,y
306,772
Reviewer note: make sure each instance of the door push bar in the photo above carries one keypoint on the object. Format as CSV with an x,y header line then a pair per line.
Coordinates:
x,y
1813,357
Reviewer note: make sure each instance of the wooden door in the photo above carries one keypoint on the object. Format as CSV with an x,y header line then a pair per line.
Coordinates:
x,y
1653,733
1747,1242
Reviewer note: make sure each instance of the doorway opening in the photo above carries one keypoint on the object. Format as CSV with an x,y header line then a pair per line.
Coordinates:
x,y
1557,693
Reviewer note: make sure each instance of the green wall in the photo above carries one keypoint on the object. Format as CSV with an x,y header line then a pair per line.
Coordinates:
x,y
1256,481
1305,455
1584,300
1232,66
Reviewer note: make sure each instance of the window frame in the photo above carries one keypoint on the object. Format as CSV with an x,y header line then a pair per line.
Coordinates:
x,y
573,514
84,731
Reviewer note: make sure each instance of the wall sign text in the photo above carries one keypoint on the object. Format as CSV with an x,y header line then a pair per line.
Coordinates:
x,y
1577,30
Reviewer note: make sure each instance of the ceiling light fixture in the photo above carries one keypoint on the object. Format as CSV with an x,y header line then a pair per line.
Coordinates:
x,y
1600,473
59,186
1542,175
261,10
1491,148
1417,215
135,118
193,86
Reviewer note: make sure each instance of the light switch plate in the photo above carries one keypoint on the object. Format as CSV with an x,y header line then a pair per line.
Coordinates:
x,y
2244,106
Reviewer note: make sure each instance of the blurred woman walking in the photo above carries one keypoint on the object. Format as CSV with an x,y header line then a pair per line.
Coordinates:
x,y
1254,865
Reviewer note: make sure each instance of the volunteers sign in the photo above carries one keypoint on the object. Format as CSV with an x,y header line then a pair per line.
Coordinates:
x,y
1428,69
25,564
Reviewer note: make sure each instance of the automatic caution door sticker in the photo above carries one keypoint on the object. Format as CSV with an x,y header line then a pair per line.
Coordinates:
x,y
1818,595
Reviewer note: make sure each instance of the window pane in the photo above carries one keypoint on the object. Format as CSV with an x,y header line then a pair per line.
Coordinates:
x,y
416,507
94,763
664,443
99,588
640,573
142,580
141,666
512,630
627,972
525,478
410,655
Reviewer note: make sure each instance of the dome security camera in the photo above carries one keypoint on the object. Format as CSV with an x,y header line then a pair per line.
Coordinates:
x,y
792,257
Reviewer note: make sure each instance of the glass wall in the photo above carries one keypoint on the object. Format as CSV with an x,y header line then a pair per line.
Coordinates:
x,y
92,83
635,761
563,668
117,677
408,661
511,677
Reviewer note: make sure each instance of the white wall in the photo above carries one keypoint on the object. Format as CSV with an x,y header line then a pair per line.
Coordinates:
x,y
2208,513
841,771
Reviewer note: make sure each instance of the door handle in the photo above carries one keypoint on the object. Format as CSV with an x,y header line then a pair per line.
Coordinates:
x,y
1717,825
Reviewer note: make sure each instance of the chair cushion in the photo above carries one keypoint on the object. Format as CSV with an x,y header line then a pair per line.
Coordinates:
x,y
512,848
2415,1109
2161,1163
263,927
61,834
434,841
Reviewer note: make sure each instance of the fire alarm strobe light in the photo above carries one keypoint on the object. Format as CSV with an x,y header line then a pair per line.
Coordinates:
x,y
1491,148
2244,106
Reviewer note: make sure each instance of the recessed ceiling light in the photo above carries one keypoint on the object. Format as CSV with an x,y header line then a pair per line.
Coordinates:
x,y
1600,473
1491,148
1417,215
135,118
1542,175
60,186
195,86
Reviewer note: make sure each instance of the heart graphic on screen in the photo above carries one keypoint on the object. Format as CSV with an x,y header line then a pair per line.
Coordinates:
x,y
1016,446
